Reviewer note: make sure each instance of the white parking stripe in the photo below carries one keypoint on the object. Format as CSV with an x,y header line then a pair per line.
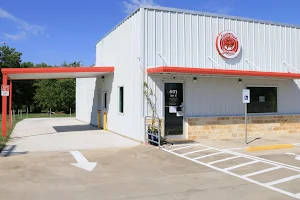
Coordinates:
x,y
241,165
181,145
283,180
213,154
189,146
291,167
235,175
233,149
226,159
195,151
262,171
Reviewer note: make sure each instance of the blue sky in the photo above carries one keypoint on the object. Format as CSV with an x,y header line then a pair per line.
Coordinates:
x,y
55,31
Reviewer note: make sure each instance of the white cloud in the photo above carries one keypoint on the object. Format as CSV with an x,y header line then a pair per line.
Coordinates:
x,y
132,5
16,36
217,6
25,27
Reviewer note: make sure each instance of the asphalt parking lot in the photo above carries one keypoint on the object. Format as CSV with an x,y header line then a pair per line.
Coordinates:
x,y
140,172
67,159
277,170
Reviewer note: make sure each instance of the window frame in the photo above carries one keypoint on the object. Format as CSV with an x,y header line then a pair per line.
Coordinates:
x,y
103,106
277,95
119,87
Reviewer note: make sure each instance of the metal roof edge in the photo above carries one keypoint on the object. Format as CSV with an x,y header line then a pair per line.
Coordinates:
x,y
161,8
218,15
119,24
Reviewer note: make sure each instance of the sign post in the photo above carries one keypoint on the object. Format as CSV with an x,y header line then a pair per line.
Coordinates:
x,y
246,100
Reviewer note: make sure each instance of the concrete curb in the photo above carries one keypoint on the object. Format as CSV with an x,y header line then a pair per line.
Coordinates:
x,y
270,147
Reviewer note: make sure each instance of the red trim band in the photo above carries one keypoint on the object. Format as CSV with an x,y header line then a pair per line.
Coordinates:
x,y
221,72
56,70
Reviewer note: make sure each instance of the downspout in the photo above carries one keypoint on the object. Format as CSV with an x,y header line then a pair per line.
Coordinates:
x,y
142,64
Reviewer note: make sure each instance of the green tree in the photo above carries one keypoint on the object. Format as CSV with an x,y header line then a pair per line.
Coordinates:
x,y
72,64
23,90
59,95
42,65
9,57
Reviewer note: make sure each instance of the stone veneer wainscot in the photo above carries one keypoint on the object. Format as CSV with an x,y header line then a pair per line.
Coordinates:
x,y
233,127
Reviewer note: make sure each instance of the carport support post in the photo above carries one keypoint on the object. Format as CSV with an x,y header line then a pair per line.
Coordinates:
x,y
4,107
10,105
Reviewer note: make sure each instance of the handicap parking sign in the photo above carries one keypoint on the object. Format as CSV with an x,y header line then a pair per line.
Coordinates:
x,y
246,96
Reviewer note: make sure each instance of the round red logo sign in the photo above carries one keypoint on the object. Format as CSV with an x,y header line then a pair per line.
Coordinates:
x,y
228,44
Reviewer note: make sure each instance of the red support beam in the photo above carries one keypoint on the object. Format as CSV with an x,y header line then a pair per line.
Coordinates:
x,y
4,108
10,105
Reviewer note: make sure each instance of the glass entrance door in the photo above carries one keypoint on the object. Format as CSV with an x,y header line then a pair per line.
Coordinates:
x,y
173,109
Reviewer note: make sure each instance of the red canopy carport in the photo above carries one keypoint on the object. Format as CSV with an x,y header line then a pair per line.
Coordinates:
x,y
43,73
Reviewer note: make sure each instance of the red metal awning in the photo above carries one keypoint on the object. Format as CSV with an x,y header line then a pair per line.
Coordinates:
x,y
43,73
55,72
221,72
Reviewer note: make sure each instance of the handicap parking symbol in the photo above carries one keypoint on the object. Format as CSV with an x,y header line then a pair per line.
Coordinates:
x,y
246,98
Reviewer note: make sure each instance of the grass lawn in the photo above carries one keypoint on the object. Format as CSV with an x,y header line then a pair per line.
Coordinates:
x,y
19,118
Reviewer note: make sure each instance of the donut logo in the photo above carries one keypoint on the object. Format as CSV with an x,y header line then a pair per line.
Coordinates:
x,y
228,44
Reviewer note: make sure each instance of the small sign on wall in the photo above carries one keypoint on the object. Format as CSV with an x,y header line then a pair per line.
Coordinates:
x,y
4,90
172,109
246,96
262,99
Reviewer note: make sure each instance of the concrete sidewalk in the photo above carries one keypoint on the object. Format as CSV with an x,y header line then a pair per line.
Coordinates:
x,y
61,134
252,141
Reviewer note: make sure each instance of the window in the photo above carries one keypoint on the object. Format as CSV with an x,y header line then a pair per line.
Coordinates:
x,y
104,100
262,100
121,99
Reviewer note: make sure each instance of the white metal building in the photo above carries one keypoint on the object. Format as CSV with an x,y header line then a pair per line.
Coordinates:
x,y
197,65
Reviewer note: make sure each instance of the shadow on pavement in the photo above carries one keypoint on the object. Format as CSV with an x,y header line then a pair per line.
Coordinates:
x,y
26,136
8,151
254,140
74,128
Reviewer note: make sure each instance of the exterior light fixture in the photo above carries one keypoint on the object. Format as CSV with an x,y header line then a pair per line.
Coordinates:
x,y
195,80
240,81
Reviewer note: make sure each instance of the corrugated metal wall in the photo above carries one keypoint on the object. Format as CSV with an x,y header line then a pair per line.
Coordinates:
x,y
121,48
223,96
212,96
188,40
